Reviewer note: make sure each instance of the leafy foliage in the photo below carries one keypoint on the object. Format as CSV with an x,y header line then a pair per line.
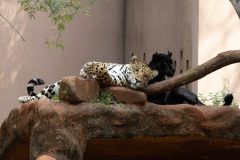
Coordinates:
x,y
216,99
55,97
61,12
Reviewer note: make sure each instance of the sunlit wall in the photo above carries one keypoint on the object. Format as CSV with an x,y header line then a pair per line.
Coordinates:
x,y
219,30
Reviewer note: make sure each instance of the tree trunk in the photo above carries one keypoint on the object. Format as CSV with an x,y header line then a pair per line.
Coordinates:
x,y
221,60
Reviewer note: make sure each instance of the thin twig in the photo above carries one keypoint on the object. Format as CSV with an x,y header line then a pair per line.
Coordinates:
x,y
12,26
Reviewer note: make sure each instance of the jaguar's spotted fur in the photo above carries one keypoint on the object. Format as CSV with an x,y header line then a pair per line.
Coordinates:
x,y
134,75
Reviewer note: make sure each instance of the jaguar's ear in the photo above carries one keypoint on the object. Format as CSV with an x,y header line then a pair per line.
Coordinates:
x,y
132,54
154,73
154,56
134,59
169,54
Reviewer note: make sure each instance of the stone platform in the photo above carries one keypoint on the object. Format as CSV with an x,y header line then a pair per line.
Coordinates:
x,y
58,130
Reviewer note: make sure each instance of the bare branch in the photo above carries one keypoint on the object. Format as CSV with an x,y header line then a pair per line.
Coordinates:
x,y
12,26
221,60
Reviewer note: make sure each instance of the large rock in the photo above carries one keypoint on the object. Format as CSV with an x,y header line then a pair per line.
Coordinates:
x,y
127,95
75,90
56,130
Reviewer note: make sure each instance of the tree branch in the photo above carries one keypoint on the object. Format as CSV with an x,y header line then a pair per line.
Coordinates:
x,y
221,60
236,5
11,25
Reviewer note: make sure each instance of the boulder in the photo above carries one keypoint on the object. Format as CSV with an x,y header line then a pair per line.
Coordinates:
x,y
57,130
75,90
127,95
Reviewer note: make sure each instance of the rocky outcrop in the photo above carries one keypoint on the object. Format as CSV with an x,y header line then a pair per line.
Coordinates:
x,y
57,130
126,95
76,90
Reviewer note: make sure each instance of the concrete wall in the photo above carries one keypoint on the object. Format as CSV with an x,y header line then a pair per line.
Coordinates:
x,y
162,25
219,30
97,37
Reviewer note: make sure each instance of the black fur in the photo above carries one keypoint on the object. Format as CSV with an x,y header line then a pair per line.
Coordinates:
x,y
182,95
228,100
164,64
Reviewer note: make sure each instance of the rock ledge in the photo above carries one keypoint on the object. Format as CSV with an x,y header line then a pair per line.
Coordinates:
x,y
56,130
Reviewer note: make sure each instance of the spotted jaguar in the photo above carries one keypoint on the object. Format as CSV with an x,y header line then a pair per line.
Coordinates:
x,y
135,75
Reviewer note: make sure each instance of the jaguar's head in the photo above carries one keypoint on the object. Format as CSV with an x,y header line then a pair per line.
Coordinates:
x,y
141,73
163,63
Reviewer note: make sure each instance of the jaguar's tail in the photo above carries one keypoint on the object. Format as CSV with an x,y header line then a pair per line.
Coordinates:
x,y
228,99
31,84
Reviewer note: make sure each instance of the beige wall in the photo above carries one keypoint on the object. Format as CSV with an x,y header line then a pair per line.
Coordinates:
x,y
162,25
219,30
97,37
150,26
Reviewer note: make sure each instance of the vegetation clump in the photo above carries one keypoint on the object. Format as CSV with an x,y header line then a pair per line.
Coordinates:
x,y
55,97
217,98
